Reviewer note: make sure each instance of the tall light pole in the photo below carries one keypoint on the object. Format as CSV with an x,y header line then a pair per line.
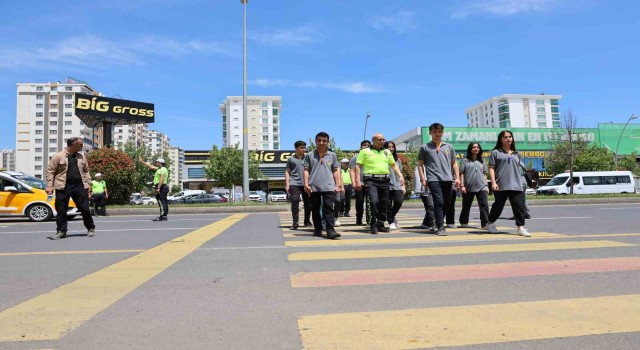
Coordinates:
x,y
245,122
632,117
364,137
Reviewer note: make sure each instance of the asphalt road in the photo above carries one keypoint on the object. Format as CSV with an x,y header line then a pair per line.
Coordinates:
x,y
245,281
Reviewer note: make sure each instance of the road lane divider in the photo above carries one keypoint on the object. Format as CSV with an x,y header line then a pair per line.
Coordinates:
x,y
471,324
52,315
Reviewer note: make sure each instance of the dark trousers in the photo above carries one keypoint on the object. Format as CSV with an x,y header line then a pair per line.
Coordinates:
x,y
483,203
323,201
162,200
378,192
396,197
80,196
360,203
346,199
337,205
516,199
441,192
451,209
294,193
429,217
99,204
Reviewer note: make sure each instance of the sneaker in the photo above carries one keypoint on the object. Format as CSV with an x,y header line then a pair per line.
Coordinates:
x,y
58,235
160,218
332,234
464,226
294,227
317,233
485,227
492,228
91,232
395,221
383,229
450,226
393,226
441,231
374,230
337,223
427,227
523,232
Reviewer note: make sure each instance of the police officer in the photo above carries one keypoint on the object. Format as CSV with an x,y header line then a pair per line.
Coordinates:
x,y
374,164
347,185
160,186
99,195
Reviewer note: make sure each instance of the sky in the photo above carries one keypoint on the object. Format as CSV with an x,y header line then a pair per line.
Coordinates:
x,y
407,63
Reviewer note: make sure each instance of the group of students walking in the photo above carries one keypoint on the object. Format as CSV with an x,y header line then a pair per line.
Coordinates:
x,y
375,174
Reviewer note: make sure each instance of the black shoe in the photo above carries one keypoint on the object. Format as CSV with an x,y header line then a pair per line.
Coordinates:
x,y
383,229
358,222
58,235
307,224
332,234
160,218
317,233
294,227
528,216
374,231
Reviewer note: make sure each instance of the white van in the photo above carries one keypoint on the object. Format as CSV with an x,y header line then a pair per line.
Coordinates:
x,y
590,182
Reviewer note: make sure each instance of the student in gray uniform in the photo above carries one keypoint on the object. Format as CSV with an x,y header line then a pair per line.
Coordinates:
x,y
321,182
396,190
294,184
506,183
473,176
438,159
359,194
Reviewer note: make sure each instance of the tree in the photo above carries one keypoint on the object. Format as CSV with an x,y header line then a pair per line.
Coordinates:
x,y
143,175
630,163
118,171
225,166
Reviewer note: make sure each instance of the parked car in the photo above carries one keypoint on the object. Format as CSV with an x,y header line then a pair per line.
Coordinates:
x,y
20,198
136,201
178,197
149,201
201,198
256,196
530,191
278,196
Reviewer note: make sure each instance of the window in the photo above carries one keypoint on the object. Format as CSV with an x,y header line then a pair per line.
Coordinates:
x,y
39,114
265,137
54,97
38,140
264,104
68,114
265,120
265,146
39,88
623,179
68,105
541,117
275,111
38,149
38,167
539,102
264,112
53,132
38,159
68,97
53,123
53,114
555,110
67,122
53,149
540,109
39,97
69,132
38,132
39,123
53,105
68,88
54,88
52,140
39,105
554,102
556,124
592,180
542,124
265,129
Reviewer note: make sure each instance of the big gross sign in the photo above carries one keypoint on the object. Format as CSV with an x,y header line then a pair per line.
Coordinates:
x,y
114,110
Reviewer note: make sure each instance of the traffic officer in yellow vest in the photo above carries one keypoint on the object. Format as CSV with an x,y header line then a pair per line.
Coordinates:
x,y
348,188
374,164
99,195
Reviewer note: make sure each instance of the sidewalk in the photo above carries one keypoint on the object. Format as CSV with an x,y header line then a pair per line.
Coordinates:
x,y
272,208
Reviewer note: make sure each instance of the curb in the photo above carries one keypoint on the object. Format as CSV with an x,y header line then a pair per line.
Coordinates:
x,y
285,208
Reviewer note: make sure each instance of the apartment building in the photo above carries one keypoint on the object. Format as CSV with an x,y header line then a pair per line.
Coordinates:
x,y
136,133
516,111
8,159
45,119
176,157
263,119
157,142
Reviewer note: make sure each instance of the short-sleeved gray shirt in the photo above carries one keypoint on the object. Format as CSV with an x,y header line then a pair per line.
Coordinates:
x,y
507,170
353,165
295,166
474,172
394,181
321,170
437,162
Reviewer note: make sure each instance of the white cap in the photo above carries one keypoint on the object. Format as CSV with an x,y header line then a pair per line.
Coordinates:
x,y
344,160
98,174
160,160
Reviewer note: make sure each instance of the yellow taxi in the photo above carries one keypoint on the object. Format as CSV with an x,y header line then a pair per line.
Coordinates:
x,y
24,195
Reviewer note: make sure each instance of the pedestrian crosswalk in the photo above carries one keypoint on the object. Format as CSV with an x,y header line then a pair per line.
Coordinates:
x,y
384,256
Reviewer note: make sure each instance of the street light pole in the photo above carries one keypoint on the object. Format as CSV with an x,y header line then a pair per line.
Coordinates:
x,y
245,122
632,117
364,137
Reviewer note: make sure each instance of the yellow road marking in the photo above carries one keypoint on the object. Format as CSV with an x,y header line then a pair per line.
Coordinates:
x,y
432,251
74,252
52,315
426,238
364,231
475,324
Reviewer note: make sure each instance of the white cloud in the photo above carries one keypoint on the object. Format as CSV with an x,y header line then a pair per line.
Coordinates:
x,y
352,87
400,22
90,50
501,7
288,37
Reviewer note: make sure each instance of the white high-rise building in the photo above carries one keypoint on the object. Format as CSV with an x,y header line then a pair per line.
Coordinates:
x,y
135,133
176,157
45,119
263,114
157,142
8,159
516,111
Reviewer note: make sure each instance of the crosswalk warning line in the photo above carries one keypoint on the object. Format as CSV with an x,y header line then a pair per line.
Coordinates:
x,y
469,325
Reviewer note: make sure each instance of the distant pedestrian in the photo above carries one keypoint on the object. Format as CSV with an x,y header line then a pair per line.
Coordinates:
x,y
396,190
345,173
438,168
294,184
68,174
473,176
360,194
506,182
321,182
100,194
160,186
